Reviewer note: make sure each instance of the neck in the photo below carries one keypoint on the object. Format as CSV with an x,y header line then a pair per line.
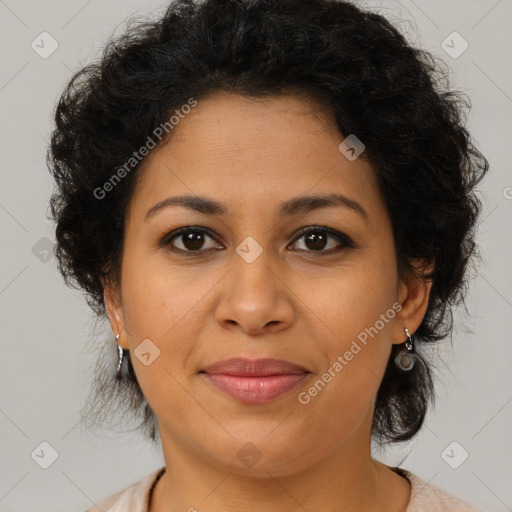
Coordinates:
x,y
347,479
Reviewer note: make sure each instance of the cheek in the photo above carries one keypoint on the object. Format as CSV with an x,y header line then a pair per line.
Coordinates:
x,y
156,297
357,316
343,392
159,306
165,305
358,306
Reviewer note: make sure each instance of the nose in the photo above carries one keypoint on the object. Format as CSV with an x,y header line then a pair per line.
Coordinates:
x,y
255,298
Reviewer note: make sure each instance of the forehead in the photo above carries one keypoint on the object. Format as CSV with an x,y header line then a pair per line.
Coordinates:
x,y
254,153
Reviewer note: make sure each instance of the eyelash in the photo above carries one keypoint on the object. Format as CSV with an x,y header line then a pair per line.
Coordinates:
x,y
345,241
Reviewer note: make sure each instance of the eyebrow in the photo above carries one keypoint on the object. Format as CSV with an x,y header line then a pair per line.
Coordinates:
x,y
294,206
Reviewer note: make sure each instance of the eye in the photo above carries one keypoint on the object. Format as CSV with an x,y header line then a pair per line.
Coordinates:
x,y
316,239
191,239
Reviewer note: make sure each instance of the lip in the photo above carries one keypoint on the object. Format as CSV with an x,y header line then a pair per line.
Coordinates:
x,y
241,367
255,381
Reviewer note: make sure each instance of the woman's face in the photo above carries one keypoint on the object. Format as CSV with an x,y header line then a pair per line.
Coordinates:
x,y
258,288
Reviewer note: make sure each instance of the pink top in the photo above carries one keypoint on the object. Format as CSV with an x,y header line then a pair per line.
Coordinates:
x,y
424,497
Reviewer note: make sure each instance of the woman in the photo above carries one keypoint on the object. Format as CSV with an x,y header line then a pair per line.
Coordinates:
x,y
273,202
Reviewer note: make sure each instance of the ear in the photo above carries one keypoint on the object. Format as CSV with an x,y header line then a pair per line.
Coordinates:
x,y
112,299
413,296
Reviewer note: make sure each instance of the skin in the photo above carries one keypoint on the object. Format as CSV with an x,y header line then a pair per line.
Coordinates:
x,y
294,302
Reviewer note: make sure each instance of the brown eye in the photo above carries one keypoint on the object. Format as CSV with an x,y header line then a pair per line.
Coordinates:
x,y
317,239
192,241
189,240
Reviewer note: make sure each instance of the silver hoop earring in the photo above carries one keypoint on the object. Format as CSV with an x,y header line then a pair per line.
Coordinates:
x,y
406,359
121,354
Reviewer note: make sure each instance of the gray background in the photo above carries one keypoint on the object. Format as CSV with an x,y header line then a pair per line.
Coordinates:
x,y
45,326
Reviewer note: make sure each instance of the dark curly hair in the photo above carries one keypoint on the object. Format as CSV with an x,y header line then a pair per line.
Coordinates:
x,y
359,69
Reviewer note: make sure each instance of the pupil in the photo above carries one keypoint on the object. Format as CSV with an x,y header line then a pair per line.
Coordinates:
x,y
193,241
315,241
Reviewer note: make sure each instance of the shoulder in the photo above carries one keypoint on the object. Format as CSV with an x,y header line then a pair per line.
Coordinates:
x,y
428,498
134,498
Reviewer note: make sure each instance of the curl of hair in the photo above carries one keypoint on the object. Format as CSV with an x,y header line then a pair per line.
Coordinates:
x,y
360,70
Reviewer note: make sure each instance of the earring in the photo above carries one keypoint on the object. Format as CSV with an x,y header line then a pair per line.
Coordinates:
x,y
121,353
405,359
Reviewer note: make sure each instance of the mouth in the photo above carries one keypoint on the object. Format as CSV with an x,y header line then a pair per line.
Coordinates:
x,y
255,381
241,367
